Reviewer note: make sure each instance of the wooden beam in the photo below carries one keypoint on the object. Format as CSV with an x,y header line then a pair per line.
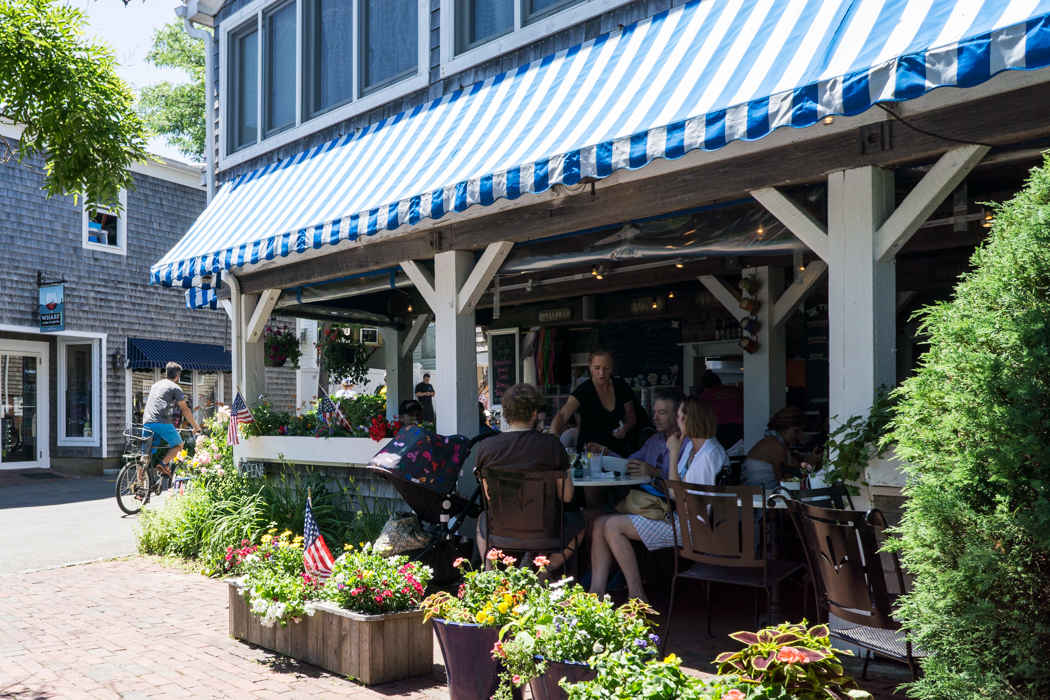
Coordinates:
x,y
726,295
481,275
227,306
263,309
415,334
942,179
797,293
733,178
797,220
423,280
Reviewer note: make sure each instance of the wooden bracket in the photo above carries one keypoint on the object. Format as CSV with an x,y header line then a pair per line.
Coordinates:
x,y
797,293
725,294
423,279
481,275
797,220
415,334
263,309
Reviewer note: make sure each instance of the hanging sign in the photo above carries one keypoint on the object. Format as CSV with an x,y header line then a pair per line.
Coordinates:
x,y
52,308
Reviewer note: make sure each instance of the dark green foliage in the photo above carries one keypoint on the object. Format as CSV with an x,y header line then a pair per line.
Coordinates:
x,y
973,429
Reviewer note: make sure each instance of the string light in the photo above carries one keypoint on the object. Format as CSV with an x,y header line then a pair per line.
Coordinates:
x,y
410,308
656,304
830,119
988,219
670,295
679,264
594,271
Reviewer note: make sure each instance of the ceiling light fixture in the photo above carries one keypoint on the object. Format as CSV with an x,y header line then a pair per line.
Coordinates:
x,y
830,119
988,219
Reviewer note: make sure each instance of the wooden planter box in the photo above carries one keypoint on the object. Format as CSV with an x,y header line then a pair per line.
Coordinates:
x,y
339,451
371,649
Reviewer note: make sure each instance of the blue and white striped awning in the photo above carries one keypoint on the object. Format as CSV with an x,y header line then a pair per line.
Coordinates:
x,y
695,77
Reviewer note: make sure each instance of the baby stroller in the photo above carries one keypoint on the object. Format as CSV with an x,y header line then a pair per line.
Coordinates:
x,y
424,468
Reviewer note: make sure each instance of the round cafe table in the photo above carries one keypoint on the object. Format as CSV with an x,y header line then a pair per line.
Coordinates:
x,y
624,480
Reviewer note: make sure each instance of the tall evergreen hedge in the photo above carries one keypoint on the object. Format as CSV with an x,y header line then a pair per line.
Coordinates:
x,y
973,431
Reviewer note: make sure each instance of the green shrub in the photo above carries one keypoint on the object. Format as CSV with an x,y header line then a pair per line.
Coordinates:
x,y
973,431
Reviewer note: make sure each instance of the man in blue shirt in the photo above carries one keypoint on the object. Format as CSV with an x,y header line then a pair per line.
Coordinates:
x,y
652,459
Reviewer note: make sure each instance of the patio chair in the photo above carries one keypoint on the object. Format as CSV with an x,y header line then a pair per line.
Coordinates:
x,y
834,496
523,511
718,526
842,550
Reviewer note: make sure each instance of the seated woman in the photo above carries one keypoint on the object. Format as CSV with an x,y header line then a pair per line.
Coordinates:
x,y
521,448
765,462
699,458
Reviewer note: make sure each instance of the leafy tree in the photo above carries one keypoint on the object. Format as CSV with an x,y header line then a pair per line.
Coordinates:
x,y
177,110
65,91
973,431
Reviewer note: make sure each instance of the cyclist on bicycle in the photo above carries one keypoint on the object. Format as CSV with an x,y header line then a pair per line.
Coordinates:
x,y
163,395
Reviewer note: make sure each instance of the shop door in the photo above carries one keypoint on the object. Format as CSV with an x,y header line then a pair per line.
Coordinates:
x,y
23,407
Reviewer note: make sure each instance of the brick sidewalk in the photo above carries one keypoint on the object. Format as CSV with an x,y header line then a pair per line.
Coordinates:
x,y
100,631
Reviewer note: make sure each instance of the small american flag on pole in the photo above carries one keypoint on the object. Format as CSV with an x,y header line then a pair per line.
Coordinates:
x,y
239,413
316,556
329,410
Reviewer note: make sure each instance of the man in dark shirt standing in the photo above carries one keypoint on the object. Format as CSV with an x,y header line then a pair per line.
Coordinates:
x,y
425,394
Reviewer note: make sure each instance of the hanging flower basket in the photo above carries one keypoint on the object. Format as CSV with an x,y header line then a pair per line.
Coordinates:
x,y
342,357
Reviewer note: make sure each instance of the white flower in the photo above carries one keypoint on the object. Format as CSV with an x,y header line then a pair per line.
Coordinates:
x,y
562,582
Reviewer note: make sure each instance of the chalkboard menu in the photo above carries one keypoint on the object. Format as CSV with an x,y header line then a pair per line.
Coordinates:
x,y
816,313
503,362
646,352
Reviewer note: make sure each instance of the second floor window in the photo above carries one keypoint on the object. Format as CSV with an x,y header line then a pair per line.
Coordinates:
x,y
291,61
106,229
482,20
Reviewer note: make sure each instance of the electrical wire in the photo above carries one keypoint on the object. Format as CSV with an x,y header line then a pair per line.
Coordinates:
x,y
967,142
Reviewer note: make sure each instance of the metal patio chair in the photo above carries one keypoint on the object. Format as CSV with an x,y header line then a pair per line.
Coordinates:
x,y
842,549
835,495
718,532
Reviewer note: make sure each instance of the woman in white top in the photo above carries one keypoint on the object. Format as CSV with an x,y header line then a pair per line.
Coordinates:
x,y
699,458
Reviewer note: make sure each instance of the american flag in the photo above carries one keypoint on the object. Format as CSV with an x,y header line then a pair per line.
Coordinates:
x,y
316,556
239,413
329,410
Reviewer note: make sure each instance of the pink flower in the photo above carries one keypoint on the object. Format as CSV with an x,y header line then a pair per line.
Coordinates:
x,y
494,554
204,458
516,679
541,561
379,599
733,694
509,561
220,471
459,562
791,655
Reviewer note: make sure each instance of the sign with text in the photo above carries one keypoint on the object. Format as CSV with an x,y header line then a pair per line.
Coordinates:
x,y
503,362
52,308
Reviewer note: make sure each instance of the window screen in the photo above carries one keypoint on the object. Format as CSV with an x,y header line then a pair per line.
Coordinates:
x,y
328,50
536,9
389,41
280,68
244,76
478,21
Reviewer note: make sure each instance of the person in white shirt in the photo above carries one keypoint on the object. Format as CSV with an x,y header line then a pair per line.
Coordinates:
x,y
346,391
699,459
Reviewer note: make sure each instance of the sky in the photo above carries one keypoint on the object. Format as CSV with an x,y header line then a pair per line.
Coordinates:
x,y
129,30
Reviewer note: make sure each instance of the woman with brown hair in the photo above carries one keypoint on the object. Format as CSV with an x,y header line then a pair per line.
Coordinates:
x,y
606,407
699,458
765,462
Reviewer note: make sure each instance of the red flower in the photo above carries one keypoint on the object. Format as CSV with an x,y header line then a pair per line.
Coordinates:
x,y
494,554
541,561
405,590
379,599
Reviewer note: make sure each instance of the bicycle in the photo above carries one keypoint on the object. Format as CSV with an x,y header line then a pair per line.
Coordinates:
x,y
139,478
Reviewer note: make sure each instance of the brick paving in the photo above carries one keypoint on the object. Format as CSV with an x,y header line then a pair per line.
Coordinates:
x,y
134,629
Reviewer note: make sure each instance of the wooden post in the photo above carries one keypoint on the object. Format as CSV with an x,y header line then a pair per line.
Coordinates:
x,y
456,398
253,355
307,379
765,371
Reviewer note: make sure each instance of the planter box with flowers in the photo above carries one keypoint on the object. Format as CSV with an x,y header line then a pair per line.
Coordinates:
x,y
364,622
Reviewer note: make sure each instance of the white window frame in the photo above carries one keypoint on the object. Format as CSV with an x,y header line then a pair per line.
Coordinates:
x,y
522,35
122,227
220,394
303,127
62,439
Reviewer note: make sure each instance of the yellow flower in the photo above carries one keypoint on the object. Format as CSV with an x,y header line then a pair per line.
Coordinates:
x,y
508,600
503,608
265,539
481,617
670,658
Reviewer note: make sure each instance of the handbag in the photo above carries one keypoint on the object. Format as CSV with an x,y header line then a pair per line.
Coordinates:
x,y
400,534
644,504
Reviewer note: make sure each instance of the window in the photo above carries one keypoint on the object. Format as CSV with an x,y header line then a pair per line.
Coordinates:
x,y
328,40
482,20
280,68
106,229
244,80
389,41
78,397
533,10
288,62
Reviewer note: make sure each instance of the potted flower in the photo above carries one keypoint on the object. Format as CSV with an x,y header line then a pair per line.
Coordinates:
x,y
563,628
468,624
276,585
626,674
281,345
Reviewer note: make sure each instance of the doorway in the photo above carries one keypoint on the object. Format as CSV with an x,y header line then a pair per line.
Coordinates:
x,y
23,405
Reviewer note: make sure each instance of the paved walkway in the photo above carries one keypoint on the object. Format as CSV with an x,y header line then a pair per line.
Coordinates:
x,y
100,630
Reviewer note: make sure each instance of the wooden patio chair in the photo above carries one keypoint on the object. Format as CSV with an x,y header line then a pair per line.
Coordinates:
x,y
842,549
718,532
524,512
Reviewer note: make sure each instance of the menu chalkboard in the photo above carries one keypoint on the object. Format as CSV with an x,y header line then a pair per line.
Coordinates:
x,y
503,362
646,352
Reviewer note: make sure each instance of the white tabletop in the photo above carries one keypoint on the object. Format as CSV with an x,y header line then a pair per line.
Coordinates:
x,y
624,480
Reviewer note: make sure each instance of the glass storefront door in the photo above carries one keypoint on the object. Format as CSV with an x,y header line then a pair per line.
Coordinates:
x,y
19,424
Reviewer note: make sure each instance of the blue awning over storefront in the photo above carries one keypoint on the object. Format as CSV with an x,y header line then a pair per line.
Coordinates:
x,y
696,77
143,354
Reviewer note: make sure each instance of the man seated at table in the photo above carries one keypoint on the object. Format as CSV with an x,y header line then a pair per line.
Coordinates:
x,y
652,459
521,448
699,457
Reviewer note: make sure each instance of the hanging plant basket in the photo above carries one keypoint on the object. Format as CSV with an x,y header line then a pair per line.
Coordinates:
x,y
280,345
275,362
342,357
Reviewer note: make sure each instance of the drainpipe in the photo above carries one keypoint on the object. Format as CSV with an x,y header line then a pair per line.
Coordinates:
x,y
184,12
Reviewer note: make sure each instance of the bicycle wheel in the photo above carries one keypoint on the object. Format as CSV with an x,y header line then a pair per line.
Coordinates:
x,y
133,488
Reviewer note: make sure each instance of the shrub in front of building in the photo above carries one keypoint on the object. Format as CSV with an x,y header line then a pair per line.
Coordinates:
x,y
973,431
